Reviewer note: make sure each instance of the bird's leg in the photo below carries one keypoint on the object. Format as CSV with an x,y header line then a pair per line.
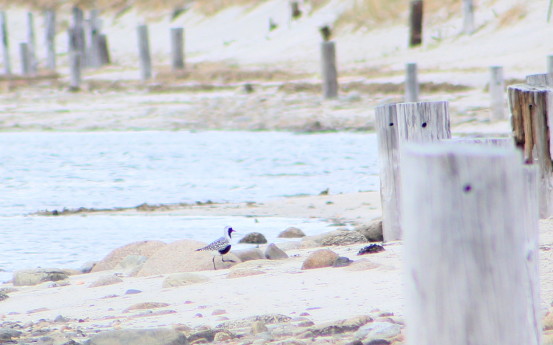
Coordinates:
x,y
223,259
214,263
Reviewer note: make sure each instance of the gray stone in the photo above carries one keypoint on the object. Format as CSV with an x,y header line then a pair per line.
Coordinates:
x,y
209,335
259,327
106,280
131,264
37,276
142,248
372,231
342,261
272,252
249,254
183,279
87,266
159,336
378,330
7,334
268,319
337,238
341,326
291,232
253,238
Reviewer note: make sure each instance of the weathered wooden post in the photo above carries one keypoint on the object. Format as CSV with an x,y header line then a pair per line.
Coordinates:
x,y
31,44
550,64
329,71
411,83
497,93
75,61
5,43
144,52
468,275
531,109
93,33
415,23
79,32
295,9
105,58
50,38
468,17
25,58
398,124
177,48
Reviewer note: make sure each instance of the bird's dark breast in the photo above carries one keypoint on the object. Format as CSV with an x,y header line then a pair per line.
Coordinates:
x,y
225,250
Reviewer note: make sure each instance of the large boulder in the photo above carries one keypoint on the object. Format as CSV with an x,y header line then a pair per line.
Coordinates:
x,y
249,254
291,232
320,258
272,252
253,238
142,248
372,231
106,280
37,276
181,256
160,336
338,237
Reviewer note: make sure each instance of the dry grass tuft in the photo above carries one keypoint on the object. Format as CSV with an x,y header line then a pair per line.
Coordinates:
x,y
512,15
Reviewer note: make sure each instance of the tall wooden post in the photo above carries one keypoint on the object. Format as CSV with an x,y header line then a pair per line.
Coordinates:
x,y
50,38
31,44
411,83
177,48
25,58
469,279
415,23
93,33
5,43
75,60
550,64
468,17
397,125
497,93
105,58
531,110
79,33
329,71
144,52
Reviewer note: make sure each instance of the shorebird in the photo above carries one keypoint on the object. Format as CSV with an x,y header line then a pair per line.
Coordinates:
x,y
221,245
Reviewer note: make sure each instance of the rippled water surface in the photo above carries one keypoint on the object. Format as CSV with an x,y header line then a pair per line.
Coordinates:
x,y
40,171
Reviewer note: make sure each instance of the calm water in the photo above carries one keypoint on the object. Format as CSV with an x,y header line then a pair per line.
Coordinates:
x,y
47,171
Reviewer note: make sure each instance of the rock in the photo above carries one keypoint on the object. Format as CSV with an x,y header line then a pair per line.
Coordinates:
x,y
56,338
372,231
370,249
131,264
181,256
243,272
291,232
253,238
3,296
272,252
208,335
61,319
7,334
319,258
259,327
159,336
221,337
183,279
36,276
378,330
379,342
342,261
106,280
87,266
341,326
362,265
142,248
146,305
249,254
218,312
268,319
337,238
132,292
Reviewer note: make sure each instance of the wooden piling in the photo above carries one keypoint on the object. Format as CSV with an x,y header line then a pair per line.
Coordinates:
x,y
177,48
415,23
530,108
5,43
105,58
25,58
466,247
550,64
468,17
50,38
144,53
31,44
397,125
497,93
411,83
77,26
75,60
93,35
329,71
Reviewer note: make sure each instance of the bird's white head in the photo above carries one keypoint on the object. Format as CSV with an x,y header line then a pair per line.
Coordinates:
x,y
228,231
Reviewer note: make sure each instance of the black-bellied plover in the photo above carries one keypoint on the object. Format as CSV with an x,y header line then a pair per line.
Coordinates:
x,y
221,245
